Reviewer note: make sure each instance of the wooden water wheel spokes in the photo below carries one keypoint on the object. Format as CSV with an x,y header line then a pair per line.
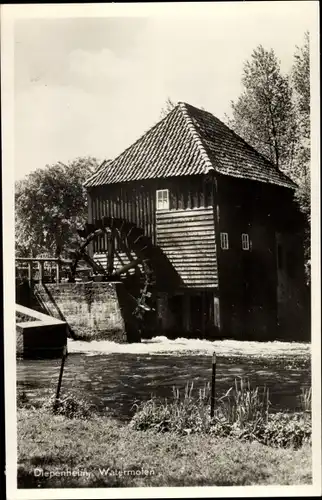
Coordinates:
x,y
121,253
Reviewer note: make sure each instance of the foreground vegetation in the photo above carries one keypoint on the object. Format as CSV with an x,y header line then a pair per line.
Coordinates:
x,y
54,444
167,443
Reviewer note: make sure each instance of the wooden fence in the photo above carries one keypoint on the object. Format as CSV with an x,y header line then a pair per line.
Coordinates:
x,y
40,269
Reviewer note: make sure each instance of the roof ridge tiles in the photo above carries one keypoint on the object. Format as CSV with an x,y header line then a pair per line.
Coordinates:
x,y
183,107
246,144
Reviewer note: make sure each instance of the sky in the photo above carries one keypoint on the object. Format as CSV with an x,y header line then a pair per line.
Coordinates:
x,y
90,86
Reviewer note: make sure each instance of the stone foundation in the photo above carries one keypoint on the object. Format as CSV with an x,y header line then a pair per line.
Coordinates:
x,y
91,310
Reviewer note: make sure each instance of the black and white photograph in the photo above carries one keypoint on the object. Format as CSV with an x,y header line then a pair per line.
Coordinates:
x,y
161,178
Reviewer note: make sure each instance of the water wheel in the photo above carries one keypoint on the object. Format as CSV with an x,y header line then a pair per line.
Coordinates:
x,y
121,253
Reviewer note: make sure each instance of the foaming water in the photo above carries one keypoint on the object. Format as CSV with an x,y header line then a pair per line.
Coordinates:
x,y
163,345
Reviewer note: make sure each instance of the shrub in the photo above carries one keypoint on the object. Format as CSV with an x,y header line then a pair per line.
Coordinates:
x,y
286,430
242,413
184,414
71,406
281,430
22,399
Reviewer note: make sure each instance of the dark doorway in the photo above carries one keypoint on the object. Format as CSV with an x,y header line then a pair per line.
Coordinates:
x,y
196,308
176,308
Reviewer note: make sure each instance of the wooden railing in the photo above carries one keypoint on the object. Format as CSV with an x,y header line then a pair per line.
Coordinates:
x,y
41,261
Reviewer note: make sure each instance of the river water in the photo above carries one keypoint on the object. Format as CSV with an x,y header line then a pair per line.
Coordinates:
x,y
114,376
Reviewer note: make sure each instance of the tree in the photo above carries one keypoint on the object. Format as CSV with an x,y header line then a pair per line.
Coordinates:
x,y
264,115
273,115
301,83
50,204
167,108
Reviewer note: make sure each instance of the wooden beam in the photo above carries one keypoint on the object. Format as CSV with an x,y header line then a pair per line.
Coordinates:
x,y
43,259
119,258
186,234
30,272
185,224
89,207
183,213
127,267
57,272
95,265
207,246
110,253
41,271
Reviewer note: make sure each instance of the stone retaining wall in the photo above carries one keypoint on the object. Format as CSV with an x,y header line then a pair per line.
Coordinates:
x,y
92,310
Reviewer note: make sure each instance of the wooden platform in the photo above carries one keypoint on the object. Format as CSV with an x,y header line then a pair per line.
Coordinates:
x,y
39,335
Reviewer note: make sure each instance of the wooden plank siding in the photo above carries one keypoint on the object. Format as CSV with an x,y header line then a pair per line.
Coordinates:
x,y
186,234
132,202
248,278
187,237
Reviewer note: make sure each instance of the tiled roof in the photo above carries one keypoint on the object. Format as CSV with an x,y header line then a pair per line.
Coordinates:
x,y
189,141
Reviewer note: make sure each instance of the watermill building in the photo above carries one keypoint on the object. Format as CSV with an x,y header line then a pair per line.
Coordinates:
x,y
224,219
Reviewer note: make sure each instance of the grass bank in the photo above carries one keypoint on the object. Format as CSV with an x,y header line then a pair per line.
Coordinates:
x,y
171,442
102,452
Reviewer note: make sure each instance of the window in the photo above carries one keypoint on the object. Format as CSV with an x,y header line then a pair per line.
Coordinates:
x,y
224,241
245,241
163,199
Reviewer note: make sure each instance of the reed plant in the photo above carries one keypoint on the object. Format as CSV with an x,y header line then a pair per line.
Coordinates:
x,y
242,412
183,413
186,413
306,399
242,404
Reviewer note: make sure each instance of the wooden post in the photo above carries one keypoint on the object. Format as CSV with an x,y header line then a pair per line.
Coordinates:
x,y
213,386
30,272
90,218
60,377
41,271
57,272
110,252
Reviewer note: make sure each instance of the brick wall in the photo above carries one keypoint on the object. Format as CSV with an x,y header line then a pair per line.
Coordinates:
x,y
92,310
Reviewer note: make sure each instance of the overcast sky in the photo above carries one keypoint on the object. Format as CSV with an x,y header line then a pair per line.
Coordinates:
x,y
91,86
